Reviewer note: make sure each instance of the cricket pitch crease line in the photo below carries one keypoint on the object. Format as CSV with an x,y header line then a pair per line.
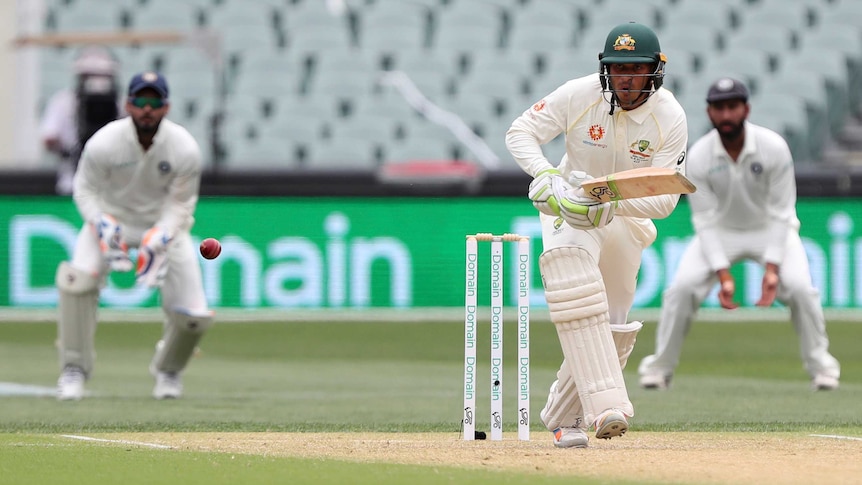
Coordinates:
x,y
835,437
120,442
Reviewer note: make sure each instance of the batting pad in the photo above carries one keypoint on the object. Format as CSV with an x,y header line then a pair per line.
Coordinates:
x,y
76,321
563,409
183,331
625,337
578,307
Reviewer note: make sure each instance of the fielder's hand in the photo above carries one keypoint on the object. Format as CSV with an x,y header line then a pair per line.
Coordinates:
x,y
153,258
115,252
726,290
546,190
769,287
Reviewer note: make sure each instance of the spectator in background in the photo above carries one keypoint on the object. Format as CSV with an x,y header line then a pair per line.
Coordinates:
x,y
74,114
744,208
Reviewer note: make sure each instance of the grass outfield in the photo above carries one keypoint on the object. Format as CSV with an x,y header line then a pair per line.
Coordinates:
x,y
361,377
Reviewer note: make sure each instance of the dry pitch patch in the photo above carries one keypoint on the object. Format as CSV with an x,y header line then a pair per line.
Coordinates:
x,y
704,458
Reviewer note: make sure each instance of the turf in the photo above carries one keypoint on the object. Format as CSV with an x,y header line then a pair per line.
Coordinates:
x,y
372,376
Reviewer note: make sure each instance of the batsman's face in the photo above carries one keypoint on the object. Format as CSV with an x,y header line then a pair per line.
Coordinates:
x,y
147,108
728,117
631,83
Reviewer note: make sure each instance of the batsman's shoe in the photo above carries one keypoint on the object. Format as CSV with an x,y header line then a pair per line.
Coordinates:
x,y
70,385
169,385
610,424
570,438
659,382
823,382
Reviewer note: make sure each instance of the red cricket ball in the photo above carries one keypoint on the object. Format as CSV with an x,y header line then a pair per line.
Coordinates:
x,y
210,248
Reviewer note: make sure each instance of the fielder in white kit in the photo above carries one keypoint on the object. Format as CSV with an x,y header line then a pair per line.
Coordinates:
x,y
618,119
744,209
136,186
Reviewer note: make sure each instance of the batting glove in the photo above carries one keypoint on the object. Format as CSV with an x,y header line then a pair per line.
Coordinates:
x,y
583,212
153,258
546,190
113,246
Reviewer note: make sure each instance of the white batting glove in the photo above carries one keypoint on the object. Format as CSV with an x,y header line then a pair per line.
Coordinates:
x,y
583,212
153,258
546,190
113,246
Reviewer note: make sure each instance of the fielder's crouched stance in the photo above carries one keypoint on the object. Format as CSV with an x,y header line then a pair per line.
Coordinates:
x,y
136,186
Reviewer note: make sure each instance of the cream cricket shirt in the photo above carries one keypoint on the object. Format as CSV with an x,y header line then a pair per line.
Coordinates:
x,y
754,195
655,134
141,189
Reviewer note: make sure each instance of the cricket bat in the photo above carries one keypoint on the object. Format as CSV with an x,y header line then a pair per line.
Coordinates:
x,y
636,183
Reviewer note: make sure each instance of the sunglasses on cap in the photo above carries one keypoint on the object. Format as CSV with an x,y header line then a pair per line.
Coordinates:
x,y
140,102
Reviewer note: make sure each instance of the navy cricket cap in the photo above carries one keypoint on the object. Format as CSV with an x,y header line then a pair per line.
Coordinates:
x,y
727,88
149,79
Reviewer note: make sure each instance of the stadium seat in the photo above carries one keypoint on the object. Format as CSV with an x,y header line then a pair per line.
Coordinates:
x,y
835,70
312,29
536,30
391,26
178,17
433,75
465,25
786,115
776,40
345,155
264,152
77,17
689,45
750,65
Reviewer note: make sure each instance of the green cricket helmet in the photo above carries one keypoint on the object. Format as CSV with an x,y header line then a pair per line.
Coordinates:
x,y
632,43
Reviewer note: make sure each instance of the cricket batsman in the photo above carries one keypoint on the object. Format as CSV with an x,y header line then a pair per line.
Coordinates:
x,y
136,187
617,119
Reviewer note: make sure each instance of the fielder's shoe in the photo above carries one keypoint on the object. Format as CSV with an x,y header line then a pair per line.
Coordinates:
x,y
169,385
659,382
570,438
70,385
610,424
823,382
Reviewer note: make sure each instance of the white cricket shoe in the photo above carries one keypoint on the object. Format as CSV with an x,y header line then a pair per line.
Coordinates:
x,y
70,385
822,382
659,382
610,424
570,438
169,385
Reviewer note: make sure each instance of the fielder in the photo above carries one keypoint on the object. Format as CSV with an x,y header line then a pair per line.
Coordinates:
x,y
617,119
741,168
136,186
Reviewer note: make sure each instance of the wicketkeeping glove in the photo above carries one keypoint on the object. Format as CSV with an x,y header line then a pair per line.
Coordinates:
x,y
113,246
153,258
546,190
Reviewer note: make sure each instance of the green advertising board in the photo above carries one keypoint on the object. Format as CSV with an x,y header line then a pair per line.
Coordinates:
x,y
382,252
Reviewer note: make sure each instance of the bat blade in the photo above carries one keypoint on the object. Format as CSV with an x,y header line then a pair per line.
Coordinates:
x,y
638,182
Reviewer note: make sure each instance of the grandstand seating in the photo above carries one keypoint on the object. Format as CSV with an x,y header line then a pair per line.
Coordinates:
x,y
302,83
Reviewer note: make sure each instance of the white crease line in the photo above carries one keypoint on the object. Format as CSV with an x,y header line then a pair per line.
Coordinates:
x,y
121,442
836,437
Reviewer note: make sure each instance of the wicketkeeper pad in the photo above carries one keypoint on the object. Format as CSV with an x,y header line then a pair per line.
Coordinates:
x,y
183,330
578,307
76,322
